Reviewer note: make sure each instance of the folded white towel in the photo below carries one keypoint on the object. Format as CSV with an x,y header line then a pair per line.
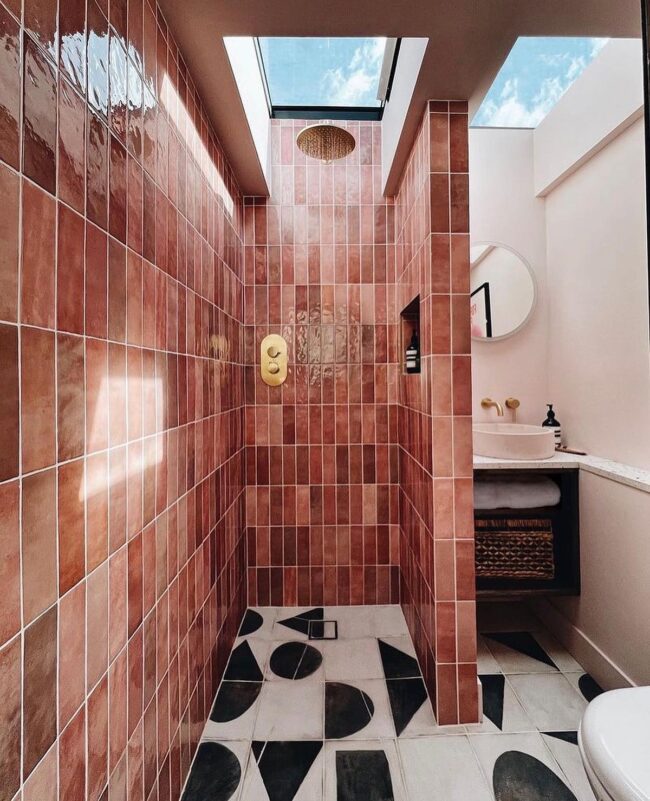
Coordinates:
x,y
516,493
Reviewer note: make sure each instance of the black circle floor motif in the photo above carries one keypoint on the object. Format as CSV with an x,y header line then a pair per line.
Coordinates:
x,y
347,710
523,777
215,774
295,660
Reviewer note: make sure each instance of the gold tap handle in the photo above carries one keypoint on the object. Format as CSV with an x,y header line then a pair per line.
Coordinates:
x,y
513,404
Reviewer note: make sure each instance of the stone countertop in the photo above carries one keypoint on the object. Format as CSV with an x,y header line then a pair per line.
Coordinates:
x,y
615,471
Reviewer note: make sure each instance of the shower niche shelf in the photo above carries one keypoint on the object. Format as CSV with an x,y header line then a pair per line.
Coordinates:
x,y
410,324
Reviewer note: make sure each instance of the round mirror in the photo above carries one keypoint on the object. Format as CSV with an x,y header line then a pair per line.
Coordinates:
x,y
502,288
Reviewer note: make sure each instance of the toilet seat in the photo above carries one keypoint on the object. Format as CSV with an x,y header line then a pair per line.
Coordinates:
x,y
614,740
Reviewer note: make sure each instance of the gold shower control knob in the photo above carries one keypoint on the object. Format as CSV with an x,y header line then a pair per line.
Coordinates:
x,y
273,360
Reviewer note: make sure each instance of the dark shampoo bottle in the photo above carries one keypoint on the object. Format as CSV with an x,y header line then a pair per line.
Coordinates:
x,y
552,422
412,355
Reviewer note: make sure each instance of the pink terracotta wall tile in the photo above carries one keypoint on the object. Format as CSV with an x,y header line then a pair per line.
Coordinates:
x,y
319,259
127,416
10,719
39,546
436,514
39,689
9,236
10,69
9,408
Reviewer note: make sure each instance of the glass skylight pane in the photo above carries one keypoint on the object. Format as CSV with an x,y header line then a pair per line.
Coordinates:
x,y
314,71
536,74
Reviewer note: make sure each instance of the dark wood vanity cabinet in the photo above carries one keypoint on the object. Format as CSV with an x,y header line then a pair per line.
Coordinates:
x,y
563,520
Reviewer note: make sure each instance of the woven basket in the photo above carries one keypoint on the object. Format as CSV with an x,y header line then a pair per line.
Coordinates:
x,y
514,549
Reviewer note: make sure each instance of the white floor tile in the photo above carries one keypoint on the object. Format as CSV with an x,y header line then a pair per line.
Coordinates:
x,y
260,649
332,747
268,614
368,621
290,711
513,661
485,660
317,675
241,749
311,788
240,728
381,723
351,659
403,643
489,747
514,719
558,653
442,769
550,701
423,723
281,632
568,757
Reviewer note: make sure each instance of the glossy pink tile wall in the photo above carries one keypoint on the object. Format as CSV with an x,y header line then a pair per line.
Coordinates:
x,y
122,548
435,424
321,453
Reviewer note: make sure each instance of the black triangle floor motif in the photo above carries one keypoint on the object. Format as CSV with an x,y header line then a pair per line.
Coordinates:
x,y
242,665
215,774
397,664
493,689
284,765
363,776
406,696
524,643
520,776
301,622
233,699
567,736
252,622
347,710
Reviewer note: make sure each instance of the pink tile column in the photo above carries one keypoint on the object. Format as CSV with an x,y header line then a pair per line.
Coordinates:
x,y
436,513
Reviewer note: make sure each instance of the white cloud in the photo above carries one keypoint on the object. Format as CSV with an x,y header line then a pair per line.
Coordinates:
x,y
521,103
355,84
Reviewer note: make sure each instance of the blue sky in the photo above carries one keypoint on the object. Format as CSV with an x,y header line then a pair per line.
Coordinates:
x,y
537,72
345,72
323,72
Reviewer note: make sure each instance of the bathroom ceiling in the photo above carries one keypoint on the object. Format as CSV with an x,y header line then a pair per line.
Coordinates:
x,y
468,42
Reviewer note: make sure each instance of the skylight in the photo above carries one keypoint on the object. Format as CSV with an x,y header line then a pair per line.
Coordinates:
x,y
537,72
325,74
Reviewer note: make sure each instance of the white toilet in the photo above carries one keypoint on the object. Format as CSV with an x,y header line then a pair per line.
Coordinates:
x,y
614,741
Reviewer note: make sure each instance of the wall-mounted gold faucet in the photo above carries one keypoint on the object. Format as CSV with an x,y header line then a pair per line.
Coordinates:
x,y
273,360
513,404
488,403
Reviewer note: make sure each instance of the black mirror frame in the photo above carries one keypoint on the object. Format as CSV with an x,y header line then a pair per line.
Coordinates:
x,y
645,25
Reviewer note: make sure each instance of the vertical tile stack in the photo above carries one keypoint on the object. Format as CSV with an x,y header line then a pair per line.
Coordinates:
x,y
122,558
321,454
435,426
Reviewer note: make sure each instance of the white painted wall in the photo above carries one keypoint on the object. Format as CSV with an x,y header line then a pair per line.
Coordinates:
x,y
243,60
599,366
407,69
607,627
504,209
606,99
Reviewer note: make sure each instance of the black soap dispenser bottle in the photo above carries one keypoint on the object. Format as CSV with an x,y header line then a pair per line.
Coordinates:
x,y
413,355
552,422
